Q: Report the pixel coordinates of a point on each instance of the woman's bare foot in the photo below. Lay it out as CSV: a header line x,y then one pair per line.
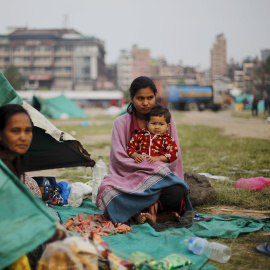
x,y
140,218
151,219
163,217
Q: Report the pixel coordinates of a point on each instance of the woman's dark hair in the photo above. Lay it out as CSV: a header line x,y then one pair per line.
x,y
6,111
136,85
159,110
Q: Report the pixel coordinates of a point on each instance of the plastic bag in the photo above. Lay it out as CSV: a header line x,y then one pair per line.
x,y
75,197
253,184
21,264
65,188
73,253
87,190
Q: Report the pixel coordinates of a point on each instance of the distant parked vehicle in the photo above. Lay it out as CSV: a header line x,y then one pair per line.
x,y
194,98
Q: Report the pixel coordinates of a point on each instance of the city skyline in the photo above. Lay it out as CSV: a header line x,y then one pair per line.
x,y
179,30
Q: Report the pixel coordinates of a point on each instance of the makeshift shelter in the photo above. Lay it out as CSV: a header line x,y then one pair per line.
x,y
243,98
50,148
26,222
247,99
57,107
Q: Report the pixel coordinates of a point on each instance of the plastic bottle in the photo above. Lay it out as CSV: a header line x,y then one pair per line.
x,y
211,250
75,197
99,171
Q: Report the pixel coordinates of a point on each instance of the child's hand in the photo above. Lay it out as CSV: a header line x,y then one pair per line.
x,y
138,158
152,159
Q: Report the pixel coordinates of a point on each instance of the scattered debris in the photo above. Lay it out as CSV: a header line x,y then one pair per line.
x,y
245,211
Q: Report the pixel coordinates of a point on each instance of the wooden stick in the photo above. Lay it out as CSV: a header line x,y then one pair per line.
x,y
246,211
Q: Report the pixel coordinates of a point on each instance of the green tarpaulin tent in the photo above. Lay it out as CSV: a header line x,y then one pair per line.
x,y
249,98
26,222
57,107
50,148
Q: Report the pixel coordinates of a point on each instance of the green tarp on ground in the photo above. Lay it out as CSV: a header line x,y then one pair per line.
x,y
50,148
144,238
57,107
26,222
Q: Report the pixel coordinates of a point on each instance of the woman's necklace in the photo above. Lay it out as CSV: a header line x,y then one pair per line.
x,y
141,123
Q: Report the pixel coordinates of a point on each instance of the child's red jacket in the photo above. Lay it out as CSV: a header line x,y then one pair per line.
x,y
153,145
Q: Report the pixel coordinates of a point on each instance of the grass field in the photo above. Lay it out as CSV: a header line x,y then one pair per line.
x,y
204,149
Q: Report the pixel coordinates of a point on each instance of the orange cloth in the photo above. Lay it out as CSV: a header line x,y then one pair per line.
x,y
97,223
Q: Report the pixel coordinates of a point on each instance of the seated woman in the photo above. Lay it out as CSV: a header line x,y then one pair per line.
x,y
15,139
142,190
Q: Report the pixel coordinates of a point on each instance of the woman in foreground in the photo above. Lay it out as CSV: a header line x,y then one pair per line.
x,y
149,192
15,139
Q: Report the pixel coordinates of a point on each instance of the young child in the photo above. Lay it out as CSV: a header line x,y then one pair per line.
x,y
154,142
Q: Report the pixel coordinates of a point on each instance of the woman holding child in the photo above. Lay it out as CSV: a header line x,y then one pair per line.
x,y
151,188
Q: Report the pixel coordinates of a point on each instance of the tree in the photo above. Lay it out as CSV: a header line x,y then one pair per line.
x,y
266,66
262,78
266,75
14,77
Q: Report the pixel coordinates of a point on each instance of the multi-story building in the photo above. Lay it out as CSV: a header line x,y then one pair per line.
x,y
132,64
239,78
54,58
124,69
265,54
219,56
137,62
141,65
250,68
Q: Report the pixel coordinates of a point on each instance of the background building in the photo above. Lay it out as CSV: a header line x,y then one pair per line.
x,y
265,54
124,69
54,58
141,62
219,56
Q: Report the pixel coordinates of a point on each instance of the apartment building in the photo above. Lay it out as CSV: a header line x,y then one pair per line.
x,y
141,65
54,58
124,69
265,54
219,56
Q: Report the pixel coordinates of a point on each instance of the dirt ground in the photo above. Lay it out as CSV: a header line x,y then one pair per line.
x,y
237,127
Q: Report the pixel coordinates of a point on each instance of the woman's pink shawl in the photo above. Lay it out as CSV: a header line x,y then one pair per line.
x,y
130,183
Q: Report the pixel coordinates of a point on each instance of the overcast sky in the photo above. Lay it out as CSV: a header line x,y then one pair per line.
x,y
179,30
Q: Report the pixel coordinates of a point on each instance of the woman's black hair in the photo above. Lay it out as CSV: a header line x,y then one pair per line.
x,y
136,85
6,111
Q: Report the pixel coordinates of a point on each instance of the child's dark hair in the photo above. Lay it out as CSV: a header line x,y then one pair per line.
x,y
159,110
